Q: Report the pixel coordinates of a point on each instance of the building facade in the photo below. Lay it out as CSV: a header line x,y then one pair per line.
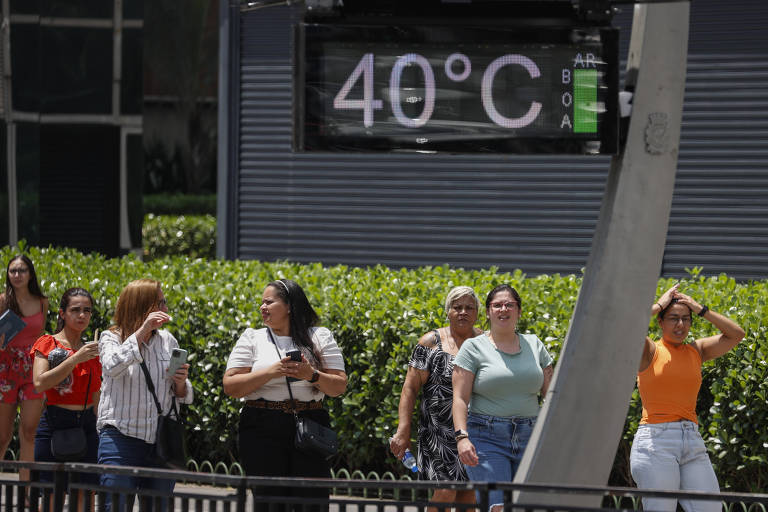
x,y
536,213
72,158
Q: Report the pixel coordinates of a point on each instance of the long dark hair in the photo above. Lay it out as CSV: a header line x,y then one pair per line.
x,y
33,286
302,315
64,304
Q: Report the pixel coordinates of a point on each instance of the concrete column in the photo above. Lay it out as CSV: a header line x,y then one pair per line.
x,y
575,438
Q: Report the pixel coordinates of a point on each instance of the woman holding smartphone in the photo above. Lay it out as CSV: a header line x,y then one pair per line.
x,y
17,392
257,370
127,413
68,371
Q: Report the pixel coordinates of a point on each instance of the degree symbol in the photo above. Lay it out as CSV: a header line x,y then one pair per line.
x,y
449,65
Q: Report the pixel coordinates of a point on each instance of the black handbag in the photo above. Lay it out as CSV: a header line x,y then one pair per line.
x,y
311,436
170,436
71,444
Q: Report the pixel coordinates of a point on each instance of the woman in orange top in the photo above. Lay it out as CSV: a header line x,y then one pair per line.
x,y
668,451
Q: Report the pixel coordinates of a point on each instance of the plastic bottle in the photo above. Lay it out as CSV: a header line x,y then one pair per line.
x,y
409,461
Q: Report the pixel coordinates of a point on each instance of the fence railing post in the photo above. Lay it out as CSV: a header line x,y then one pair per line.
x,y
59,488
484,499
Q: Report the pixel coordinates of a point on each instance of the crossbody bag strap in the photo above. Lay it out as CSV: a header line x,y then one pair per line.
x,y
287,382
85,402
151,386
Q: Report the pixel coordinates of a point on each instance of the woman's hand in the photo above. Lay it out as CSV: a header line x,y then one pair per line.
x,y
398,443
666,297
467,453
298,370
180,380
154,321
688,301
85,353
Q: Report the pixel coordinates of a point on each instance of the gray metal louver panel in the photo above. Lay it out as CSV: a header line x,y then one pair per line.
x,y
533,213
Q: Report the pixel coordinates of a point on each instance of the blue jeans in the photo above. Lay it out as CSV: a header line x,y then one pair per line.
x,y
672,456
117,449
499,443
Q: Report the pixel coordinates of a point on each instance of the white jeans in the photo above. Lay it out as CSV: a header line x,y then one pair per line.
x,y
672,456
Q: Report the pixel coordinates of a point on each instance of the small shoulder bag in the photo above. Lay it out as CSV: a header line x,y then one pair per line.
x,y
71,444
311,436
170,439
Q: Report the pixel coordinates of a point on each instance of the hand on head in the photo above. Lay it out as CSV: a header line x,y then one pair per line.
x,y
666,297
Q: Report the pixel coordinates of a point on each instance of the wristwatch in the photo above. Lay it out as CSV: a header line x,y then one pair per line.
x,y
315,376
461,434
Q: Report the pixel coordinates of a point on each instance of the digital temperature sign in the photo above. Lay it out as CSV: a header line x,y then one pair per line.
x,y
456,89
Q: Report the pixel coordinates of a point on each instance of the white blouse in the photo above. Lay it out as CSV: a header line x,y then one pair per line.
x,y
254,350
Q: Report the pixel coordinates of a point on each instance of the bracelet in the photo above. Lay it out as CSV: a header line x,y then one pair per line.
x,y
703,311
660,306
461,436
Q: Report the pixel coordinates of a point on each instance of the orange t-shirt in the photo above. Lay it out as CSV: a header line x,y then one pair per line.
x,y
71,391
670,384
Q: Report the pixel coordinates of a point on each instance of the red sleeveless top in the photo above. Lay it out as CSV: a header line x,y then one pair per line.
x,y
70,391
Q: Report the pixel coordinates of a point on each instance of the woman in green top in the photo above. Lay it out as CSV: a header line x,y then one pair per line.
x,y
497,379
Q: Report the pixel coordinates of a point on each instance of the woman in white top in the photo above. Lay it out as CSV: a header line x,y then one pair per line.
x,y
127,418
257,370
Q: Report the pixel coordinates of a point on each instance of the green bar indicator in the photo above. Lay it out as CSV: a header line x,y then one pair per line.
x,y
585,101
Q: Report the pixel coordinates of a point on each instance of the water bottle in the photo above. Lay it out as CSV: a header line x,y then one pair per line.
x,y
409,461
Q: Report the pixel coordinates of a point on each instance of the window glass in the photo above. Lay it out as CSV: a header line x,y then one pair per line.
x,y
76,70
131,90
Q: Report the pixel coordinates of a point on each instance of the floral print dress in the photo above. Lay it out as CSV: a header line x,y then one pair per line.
x,y
437,456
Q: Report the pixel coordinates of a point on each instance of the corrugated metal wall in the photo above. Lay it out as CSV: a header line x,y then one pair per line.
x,y
533,213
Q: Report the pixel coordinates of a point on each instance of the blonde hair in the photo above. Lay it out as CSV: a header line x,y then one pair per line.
x,y
137,300
458,292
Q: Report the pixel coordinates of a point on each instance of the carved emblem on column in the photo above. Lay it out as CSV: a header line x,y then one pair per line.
x,y
656,133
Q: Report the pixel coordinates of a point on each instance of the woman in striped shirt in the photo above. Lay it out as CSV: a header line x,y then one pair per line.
x,y
127,413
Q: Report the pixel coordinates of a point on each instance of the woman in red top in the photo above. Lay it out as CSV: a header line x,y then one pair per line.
x,y
69,372
23,297
668,451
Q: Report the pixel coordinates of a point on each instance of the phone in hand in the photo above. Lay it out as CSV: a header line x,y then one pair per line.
x,y
178,358
295,355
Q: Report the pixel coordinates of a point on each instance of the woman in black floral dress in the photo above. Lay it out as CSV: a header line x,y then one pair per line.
x,y
430,370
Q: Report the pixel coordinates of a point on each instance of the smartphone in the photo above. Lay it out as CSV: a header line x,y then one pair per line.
x,y
295,355
178,358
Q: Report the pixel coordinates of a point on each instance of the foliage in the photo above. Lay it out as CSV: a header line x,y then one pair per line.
x,y
377,314
189,235
180,204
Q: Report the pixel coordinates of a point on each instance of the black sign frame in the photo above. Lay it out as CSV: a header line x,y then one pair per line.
x,y
312,132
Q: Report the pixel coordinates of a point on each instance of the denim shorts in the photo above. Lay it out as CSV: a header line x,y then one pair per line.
x,y
499,443
672,456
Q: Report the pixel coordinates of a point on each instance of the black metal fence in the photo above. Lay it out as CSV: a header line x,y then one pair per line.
x,y
201,492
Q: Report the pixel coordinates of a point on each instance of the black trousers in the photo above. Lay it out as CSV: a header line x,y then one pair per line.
x,y
266,449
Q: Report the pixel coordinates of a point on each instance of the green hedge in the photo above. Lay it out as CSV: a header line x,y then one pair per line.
x,y
377,314
180,204
171,235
